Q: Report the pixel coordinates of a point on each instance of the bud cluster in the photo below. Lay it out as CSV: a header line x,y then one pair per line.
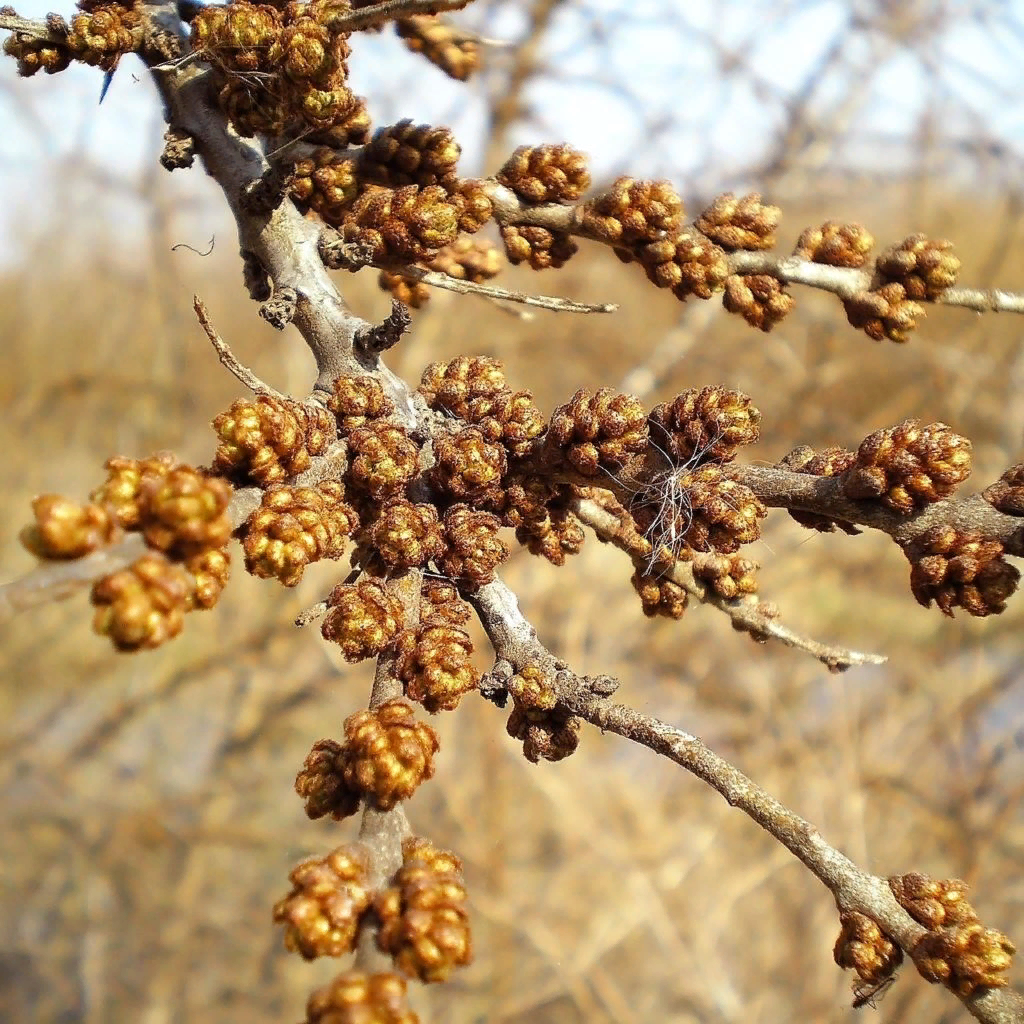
x,y
363,619
759,298
329,896
745,223
863,947
424,923
543,522
383,458
659,595
266,440
434,664
835,244
599,430
708,424
908,466
957,950
1007,493
411,154
358,998
538,246
357,400
546,174
457,55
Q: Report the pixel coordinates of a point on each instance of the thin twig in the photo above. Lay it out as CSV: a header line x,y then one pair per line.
x,y
389,10
227,357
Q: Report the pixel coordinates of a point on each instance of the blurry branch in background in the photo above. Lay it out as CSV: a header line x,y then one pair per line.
x,y
415,483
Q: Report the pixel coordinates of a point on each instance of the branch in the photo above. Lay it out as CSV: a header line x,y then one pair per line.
x,y
52,33
389,10
515,640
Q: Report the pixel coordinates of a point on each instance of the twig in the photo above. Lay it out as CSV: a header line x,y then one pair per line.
x,y
747,615
35,29
552,302
367,17
227,357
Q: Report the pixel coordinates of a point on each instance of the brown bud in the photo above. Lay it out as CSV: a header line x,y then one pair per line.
x,y
210,570
601,430
103,34
423,916
546,174
473,205
325,182
407,534
537,246
935,903
142,606
727,576
1007,493
185,511
835,244
964,958
468,259
474,549
65,529
434,664
468,467
411,154
633,212
329,895
295,526
545,735
122,489
440,604
831,461
884,312
863,946
358,998
744,223
457,55
384,458
659,595
455,386
909,465
414,294
34,54
708,424
758,298
356,401
364,618
924,267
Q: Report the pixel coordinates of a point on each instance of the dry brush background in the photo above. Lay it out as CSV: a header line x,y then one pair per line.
x,y
148,820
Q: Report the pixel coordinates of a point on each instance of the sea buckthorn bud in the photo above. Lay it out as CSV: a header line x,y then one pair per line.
x,y
908,466
1007,493
473,204
414,294
544,524
103,34
531,688
659,595
321,782
758,298
268,440
307,50
384,458
364,618
295,526
457,55
474,550
863,946
406,534
924,267
454,386
424,923
122,489
440,604
35,55
707,424
329,895
831,461
633,212
65,529
387,754
537,246
358,998
434,664
744,223
545,735
960,569
835,244
964,958
142,606
402,225
349,127
546,174
210,570
468,466
935,903
727,576
719,514
468,259
598,430
411,154
238,37
357,400
884,312
185,511
325,182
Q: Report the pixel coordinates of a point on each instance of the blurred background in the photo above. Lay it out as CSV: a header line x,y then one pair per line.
x,y
148,821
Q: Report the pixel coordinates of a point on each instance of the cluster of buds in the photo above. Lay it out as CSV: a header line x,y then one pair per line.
x,y
295,526
597,431
357,400
541,248
297,56
424,923
411,154
266,440
759,298
468,467
708,424
434,664
546,174
659,595
325,182
745,223
545,735
908,466
863,947
473,549
727,576
384,758
835,244
455,53
542,519
329,896
960,569
182,514
475,390
100,35
405,534
384,459
957,950
363,618
358,998
1007,493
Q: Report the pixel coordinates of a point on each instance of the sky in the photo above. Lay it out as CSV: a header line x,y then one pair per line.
x,y
610,60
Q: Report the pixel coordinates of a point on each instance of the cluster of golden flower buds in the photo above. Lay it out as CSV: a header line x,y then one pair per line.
x,y
708,424
384,758
359,998
100,35
424,923
863,947
957,950
182,514
597,431
435,665
455,53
